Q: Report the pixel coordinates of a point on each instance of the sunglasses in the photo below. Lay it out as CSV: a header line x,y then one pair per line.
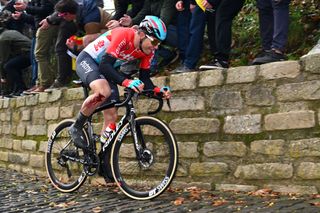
x,y
155,42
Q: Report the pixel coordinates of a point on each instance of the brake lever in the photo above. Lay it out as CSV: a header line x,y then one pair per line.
x,y
169,105
136,96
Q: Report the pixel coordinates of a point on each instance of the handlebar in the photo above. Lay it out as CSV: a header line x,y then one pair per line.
x,y
148,93
129,93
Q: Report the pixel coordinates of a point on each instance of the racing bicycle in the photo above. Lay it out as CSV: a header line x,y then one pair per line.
x,y
141,155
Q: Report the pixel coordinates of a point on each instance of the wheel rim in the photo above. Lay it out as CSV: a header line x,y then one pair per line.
x,y
64,172
148,181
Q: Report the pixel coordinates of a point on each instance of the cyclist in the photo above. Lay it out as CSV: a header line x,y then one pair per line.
x,y
96,68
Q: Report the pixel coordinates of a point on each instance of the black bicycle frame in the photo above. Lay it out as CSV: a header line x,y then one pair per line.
x,y
128,117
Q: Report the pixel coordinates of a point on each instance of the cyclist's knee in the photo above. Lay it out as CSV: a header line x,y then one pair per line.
x,y
101,86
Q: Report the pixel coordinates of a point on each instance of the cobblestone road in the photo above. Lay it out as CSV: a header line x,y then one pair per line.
x,y
27,193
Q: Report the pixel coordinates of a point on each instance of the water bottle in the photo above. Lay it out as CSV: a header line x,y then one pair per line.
x,y
107,132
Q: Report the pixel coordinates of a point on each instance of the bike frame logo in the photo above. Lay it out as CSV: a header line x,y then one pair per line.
x,y
160,187
53,135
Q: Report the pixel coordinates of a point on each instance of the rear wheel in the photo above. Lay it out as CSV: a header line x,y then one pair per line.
x,y
63,159
146,174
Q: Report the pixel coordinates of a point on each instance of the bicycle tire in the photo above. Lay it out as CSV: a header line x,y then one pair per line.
x,y
150,176
56,162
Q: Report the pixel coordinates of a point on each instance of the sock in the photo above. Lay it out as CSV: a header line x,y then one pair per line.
x,y
80,121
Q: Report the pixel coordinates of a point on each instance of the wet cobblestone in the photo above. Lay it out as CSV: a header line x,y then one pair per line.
x,y
28,193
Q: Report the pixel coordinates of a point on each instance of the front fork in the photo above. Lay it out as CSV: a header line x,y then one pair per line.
x,y
138,145
143,155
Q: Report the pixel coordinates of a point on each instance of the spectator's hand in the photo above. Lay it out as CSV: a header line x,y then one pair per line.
x,y
20,6
113,24
165,90
136,85
70,44
87,39
126,20
179,6
192,6
16,15
136,27
44,24
206,4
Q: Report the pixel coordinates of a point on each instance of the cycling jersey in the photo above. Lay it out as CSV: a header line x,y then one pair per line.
x,y
119,43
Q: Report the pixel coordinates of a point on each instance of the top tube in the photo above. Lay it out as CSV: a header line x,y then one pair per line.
x,y
129,93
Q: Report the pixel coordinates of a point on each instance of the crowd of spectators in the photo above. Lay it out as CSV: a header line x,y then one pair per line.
x,y
34,35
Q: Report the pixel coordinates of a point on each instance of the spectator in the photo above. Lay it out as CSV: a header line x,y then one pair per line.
x,y
183,24
226,11
60,26
3,3
11,23
121,8
274,26
14,59
199,18
37,10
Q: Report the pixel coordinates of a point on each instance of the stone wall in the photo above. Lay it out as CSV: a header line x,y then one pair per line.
x,y
243,128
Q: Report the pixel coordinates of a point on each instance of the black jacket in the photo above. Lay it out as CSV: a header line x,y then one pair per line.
x,y
164,9
121,7
40,9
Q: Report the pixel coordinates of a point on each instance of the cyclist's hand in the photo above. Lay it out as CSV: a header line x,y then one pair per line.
x,y
136,85
165,90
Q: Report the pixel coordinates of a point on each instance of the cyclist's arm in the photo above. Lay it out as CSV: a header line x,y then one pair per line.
x,y
144,76
107,70
106,67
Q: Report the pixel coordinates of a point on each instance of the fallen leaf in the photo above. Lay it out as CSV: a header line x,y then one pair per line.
x,y
65,205
271,204
316,196
315,204
240,202
72,203
192,188
178,201
195,195
261,192
31,192
61,205
219,202
97,209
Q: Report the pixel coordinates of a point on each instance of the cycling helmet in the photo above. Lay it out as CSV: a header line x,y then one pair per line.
x,y
154,26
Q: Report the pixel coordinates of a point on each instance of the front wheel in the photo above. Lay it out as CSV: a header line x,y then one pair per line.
x,y
64,161
146,172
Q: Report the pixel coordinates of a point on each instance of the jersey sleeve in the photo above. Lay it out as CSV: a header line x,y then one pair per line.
x,y
117,43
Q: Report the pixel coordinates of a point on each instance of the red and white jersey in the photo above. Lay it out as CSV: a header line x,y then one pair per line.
x,y
119,43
